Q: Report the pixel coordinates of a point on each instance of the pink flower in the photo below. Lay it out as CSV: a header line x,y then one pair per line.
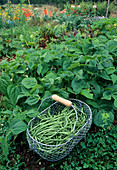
x,y
78,6
94,6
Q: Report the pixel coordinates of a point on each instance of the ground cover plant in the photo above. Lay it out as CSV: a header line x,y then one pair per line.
x,y
74,61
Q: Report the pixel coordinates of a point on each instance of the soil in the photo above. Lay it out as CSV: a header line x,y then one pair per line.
x,y
114,13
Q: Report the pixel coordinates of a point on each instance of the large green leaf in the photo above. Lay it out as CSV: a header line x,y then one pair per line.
x,y
114,78
104,75
66,64
102,118
29,82
107,95
18,126
31,65
4,83
20,52
102,39
39,69
77,85
13,92
110,70
32,100
87,93
31,113
79,73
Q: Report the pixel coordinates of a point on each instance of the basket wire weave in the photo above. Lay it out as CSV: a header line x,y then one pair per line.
x,y
61,150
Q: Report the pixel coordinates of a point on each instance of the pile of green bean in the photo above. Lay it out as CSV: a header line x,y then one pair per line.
x,y
58,128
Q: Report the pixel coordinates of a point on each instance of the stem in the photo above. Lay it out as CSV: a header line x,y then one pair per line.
x,y
107,8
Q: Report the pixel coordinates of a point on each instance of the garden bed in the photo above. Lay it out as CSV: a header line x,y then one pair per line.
x,y
68,53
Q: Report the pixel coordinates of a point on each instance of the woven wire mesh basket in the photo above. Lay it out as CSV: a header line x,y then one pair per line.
x,y
55,152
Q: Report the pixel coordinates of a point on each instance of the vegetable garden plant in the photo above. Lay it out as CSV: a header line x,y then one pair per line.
x,y
73,63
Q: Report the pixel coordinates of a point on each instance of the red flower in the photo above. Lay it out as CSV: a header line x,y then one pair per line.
x,y
45,11
74,11
50,13
88,25
30,13
26,15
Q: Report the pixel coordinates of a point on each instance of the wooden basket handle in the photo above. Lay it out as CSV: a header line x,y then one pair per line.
x,y
61,100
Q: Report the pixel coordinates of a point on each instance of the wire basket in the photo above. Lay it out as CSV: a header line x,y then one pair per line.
x,y
56,151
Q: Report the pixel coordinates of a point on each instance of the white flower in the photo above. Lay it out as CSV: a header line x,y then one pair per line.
x,y
36,9
72,6
94,6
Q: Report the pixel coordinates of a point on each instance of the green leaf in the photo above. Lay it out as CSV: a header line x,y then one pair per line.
x,y
115,102
74,65
13,92
52,75
18,126
20,52
107,95
39,69
4,146
31,113
87,94
64,94
30,65
102,118
110,70
25,91
114,78
102,39
20,96
32,100
92,103
45,68
36,88
115,99
66,64
1,46
20,70
47,94
48,57
4,83
79,73
7,112
77,85
29,82
51,81
104,75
